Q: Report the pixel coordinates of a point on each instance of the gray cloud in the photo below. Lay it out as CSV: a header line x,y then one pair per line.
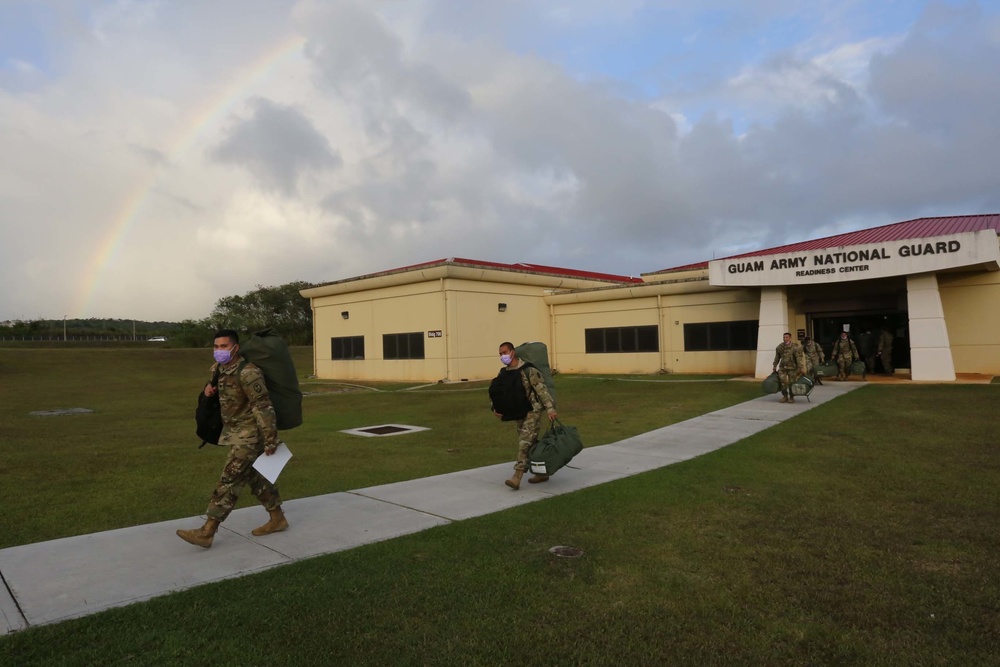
x,y
277,144
412,131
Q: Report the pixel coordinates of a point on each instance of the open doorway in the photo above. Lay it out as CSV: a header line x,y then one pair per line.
x,y
826,328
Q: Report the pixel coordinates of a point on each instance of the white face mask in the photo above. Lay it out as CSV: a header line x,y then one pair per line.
x,y
505,359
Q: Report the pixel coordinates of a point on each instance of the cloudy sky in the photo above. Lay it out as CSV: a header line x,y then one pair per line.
x,y
159,155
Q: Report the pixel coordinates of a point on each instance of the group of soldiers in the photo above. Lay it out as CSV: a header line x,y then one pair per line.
x,y
793,360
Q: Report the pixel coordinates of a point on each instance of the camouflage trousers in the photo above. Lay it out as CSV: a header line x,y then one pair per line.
x,y
870,362
786,376
886,358
844,365
527,435
237,473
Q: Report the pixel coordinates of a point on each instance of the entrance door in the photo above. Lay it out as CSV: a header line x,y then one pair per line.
x,y
826,328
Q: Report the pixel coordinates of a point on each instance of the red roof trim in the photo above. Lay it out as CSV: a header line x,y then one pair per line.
x,y
899,231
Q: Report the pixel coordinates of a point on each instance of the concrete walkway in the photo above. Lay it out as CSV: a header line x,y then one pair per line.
x,y
76,576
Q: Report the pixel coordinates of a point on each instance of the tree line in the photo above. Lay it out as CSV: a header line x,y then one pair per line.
x,y
281,308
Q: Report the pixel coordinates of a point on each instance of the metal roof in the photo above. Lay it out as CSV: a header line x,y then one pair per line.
x,y
899,231
520,267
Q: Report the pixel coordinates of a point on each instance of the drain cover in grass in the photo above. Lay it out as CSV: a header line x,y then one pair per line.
x,y
56,413
384,429
566,552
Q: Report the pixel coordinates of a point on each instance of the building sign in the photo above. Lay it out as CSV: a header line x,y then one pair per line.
x,y
860,262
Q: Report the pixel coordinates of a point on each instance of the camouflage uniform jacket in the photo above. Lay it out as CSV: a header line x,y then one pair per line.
x,y
247,413
534,387
814,352
844,348
790,357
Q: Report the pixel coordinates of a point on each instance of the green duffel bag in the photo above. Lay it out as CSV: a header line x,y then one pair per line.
x,y
771,384
858,368
554,449
266,350
802,387
826,370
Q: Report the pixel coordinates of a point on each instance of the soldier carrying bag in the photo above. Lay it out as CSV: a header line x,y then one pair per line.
x,y
266,350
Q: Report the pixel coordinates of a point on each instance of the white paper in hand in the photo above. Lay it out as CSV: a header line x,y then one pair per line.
x,y
270,466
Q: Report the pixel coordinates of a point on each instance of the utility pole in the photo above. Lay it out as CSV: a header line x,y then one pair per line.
x,y
64,328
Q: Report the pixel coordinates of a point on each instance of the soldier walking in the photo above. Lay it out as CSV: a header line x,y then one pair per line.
x,y
844,353
814,357
789,364
249,428
525,403
866,346
885,350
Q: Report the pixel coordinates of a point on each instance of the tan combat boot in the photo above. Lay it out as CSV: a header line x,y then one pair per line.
x,y
515,481
275,524
791,399
784,399
200,537
536,479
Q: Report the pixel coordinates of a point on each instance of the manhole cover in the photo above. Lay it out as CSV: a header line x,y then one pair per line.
x,y
56,413
566,552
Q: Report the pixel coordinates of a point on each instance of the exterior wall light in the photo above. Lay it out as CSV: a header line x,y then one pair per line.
x,y
502,307
345,314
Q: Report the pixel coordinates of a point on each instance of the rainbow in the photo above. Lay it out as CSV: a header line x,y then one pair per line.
x,y
207,114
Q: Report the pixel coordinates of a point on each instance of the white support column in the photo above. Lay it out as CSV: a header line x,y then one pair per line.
x,y
773,323
930,349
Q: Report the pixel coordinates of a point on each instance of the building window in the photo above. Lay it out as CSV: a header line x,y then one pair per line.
x,y
403,346
622,339
720,336
348,347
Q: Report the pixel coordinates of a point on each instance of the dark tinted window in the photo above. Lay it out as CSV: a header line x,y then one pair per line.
x,y
403,346
348,347
622,339
720,336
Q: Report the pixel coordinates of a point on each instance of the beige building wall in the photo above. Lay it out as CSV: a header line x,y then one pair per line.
x,y
572,320
466,314
396,309
462,305
969,301
477,327
654,304
714,306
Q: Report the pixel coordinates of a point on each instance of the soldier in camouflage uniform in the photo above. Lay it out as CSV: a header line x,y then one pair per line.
x,y
844,353
529,427
814,357
249,428
789,364
885,350
866,350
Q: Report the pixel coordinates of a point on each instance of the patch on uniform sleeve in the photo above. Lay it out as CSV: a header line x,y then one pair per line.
x,y
254,385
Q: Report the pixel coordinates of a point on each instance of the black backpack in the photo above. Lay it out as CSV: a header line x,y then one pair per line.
x,y
507,394
208,415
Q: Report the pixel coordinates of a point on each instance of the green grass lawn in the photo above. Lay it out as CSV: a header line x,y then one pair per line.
x,y
862,532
